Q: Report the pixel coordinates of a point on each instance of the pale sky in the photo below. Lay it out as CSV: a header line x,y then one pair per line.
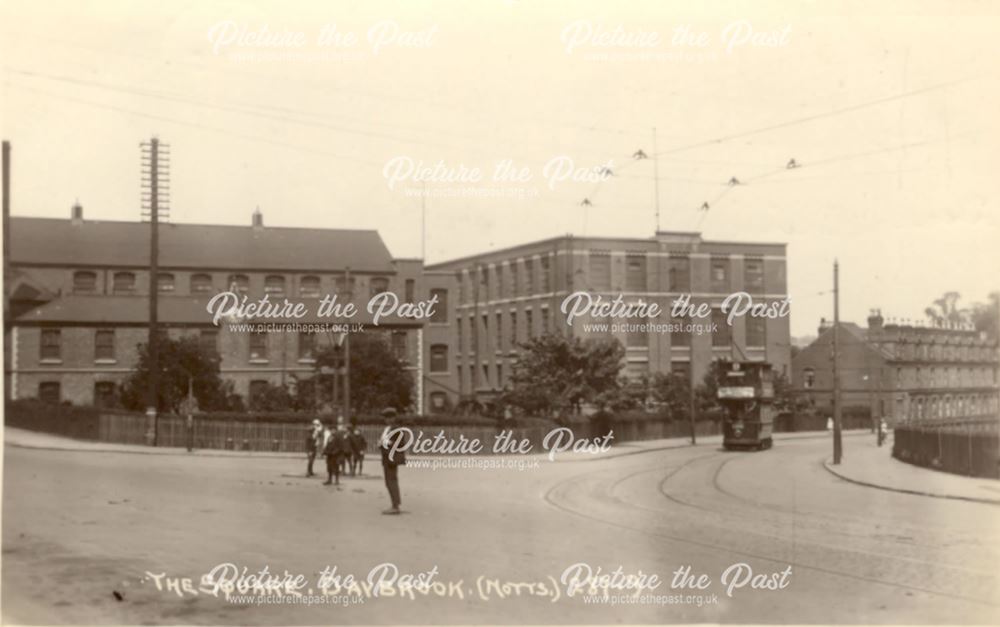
x,y
891,110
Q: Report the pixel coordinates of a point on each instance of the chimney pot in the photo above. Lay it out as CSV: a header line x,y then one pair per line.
x,y
257,219
76,213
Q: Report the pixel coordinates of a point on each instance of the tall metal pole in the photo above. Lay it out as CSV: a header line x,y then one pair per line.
x,y
8,357
837,450
694,402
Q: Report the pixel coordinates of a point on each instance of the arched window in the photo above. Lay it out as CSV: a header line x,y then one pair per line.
x,y
201,283
274,284
84,282
439,402
165,282
239,283
309,286
439,358
123,283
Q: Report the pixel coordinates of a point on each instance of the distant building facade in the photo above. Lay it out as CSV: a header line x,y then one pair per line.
x,y
902,372
80,307
508,296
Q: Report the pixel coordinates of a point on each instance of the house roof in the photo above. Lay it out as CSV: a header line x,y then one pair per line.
x,y
98,310
53,241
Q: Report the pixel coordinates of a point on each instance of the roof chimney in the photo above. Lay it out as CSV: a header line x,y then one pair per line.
x,y
875,320
76,213
258,219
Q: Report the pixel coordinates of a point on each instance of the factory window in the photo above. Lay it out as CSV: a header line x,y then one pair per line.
x,y
104,344
513,278
513,329
756,331
753,276
201,283
808,378
165,282
635,273
529,324
49,391
309,286
123,283
499,331
637,335
51,346
410,289
441,307
439,358
439,402
546,273
104,394
258,346
84,282
307,346
258,387
239,283
529,276
721,333
600,269
719,274
399,345
274,284
378,285
680,332
679,274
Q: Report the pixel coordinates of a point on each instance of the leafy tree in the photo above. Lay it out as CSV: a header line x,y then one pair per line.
x,y
378,377
556,373
945,309
272,398
673,390
180,361
984,315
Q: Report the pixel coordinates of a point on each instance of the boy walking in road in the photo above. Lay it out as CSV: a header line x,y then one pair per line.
x,y
358,447
391,460
335,449
313,441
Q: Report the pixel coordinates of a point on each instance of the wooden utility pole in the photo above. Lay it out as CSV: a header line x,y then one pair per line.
x,y
155,169
656,182
8,356
837,446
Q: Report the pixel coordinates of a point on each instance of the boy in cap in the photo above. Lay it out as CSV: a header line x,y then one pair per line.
x,y
391,460
313,441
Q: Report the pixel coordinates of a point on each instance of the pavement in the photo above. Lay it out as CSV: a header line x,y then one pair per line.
x,y
89,537
867,464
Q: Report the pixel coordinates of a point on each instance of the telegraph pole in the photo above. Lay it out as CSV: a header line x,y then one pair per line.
x,y
347,352
837,446
155,179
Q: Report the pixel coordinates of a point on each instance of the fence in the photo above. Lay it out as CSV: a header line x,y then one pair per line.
x,y
278,437
960,447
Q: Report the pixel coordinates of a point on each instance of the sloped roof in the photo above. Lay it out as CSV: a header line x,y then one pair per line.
x,y
177,310
112,243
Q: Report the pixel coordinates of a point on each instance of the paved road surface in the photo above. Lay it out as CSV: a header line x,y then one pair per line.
x,y
78,526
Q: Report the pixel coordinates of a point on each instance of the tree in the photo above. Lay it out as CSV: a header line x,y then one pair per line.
x,y
378,378
984,316
180,361
555,373
945,309
272,397
673,390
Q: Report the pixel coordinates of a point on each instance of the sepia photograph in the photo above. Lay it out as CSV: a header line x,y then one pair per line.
x,y
505,312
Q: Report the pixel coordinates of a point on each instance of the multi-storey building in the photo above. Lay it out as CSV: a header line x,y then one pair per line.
x,y
79,300
507,296
902,371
